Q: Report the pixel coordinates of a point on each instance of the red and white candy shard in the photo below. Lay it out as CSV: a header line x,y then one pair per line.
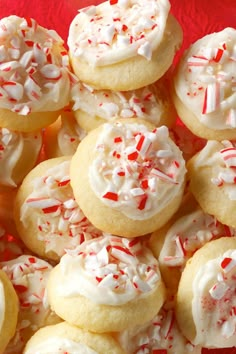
x,y
60,222
136,170
34,67
116,30
109,270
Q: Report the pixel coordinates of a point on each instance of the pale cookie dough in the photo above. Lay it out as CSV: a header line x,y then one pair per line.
x,y
47,217
107,284
29,276
8,311
64,338
124,44
206,301
35,74
63,136
152,103
181,237
127,177
19,153
212,176
204,86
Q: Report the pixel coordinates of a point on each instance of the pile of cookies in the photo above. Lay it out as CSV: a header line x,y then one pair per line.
x,y
117,185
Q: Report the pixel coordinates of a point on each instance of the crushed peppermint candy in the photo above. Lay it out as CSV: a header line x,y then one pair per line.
x,y
35,70
60,222
138,170
118,269
115,30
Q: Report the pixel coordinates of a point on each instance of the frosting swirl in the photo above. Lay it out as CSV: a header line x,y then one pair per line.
x,y
109,270
34,66
205,79
118,29
136,170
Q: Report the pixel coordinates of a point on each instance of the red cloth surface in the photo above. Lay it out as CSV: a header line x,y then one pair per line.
x,y
197,17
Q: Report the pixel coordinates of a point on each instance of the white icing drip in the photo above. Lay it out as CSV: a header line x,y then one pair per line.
x,y
109,33
214,302
136,170
109,270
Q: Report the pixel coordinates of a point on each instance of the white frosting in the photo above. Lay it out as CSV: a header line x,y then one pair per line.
x,y
147,103
161,332
118,29
188,234
29,276
69,135
12,147
59,345
221,158
2,305
206,81
34,67
136,170
60,222
109,270
214,302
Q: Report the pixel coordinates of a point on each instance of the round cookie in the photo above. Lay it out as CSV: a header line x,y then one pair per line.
x,y
160,335
47,217
65,338
63,136
212,175
19,153
127,177
29,275
152,103
123,45
8,311
204,83
107,284
206,295
35,74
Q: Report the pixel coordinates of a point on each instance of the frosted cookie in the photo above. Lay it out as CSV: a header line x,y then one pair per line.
x,y
29,275
127,177
212,175
107,284
18,155
123,45
180,238
47,217
64,338
94,107
8,311
63,136
35,74
204,86
206,295
160,335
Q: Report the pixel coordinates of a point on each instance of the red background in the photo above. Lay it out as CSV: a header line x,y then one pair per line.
x,y
197,17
